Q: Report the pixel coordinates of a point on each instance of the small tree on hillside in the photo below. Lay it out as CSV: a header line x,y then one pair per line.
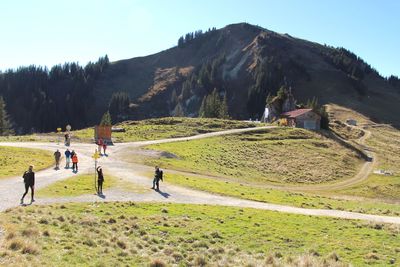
x,y
106,119
5,125
213,107
179,111
223,110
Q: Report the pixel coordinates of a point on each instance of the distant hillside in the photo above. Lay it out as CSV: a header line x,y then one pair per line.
x,y
244,62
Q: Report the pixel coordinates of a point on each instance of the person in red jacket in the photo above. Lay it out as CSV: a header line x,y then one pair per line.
x,y
75,163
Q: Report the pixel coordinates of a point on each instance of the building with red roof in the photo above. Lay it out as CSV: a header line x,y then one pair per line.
x,y
302,118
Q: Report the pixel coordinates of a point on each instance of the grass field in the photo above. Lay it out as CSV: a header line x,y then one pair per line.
x,y
166,128
15,160
281,155
303,200
84,184
385,142
131,234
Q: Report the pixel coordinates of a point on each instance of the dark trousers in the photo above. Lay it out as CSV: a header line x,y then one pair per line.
x,y
75,166
156,182
27,186
100,184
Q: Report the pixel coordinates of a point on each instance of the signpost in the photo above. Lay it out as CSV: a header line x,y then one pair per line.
x,y
95,157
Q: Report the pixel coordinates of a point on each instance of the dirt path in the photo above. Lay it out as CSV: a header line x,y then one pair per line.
x,y
11,189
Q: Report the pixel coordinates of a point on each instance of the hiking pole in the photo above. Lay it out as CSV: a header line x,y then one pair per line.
x,y
95,156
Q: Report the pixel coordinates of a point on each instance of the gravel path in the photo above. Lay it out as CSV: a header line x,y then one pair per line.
x,y
11,189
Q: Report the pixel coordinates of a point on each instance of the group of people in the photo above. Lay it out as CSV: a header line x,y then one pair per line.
x,y
102,144
69,157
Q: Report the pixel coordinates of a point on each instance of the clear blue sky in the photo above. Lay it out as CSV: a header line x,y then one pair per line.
x,y
48,32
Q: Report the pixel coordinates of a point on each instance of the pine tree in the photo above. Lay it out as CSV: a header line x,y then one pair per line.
x,y
119,106
202,110
5,125
223,110
106,119
178,111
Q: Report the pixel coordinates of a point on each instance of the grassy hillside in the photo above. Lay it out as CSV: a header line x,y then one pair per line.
x,y
15,160
284,155
119,234
166,128
385,142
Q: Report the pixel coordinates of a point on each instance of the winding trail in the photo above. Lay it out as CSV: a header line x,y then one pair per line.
x,y
11,189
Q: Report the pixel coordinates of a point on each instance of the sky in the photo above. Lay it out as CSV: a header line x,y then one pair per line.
x,y
49,32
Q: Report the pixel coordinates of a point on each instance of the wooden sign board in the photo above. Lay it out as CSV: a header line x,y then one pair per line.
x,y
103,132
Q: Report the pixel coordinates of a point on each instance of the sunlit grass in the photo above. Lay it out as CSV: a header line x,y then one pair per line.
x,y
283,155
15,160
173,234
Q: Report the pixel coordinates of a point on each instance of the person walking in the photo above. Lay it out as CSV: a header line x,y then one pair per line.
x,y
74,162
67,154
57,157
104,148
158,175
29,181
100,180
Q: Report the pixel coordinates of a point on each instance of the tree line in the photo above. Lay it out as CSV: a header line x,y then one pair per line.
x,y
41,100
190,36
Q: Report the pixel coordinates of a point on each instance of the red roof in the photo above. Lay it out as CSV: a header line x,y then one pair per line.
x,y
296,113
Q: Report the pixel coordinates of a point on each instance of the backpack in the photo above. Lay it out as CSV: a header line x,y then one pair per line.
x,y
161,175
25,176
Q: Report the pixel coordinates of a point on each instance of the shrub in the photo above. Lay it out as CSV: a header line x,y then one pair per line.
x,y
16,244
157,263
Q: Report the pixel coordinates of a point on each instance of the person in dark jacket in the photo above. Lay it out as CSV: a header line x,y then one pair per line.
x,y
158,175
100,180
57,157
29,181
67,154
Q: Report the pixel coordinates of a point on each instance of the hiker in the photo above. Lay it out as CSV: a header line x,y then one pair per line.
x,y
158,175
29,181
100,144
57,157
100,180
104,147
67,139
67,158
74,162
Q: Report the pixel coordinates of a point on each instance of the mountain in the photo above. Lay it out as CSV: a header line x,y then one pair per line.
x,y
245,63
